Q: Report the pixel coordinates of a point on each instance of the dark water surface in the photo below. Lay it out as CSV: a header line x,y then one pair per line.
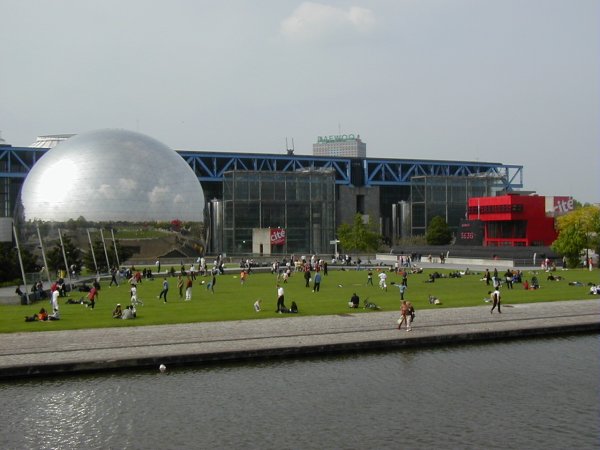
x,y
541,393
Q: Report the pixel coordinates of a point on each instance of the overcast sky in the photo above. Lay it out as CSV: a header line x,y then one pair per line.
x,y
510,81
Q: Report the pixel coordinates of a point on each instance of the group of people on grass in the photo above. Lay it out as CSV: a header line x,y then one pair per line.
x,y
128,313
307,267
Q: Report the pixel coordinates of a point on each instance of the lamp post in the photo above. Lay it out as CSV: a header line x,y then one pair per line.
x,y
43,253
21,264
65,259
92,249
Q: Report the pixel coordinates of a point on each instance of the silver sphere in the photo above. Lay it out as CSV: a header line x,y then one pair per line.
x,y
112,175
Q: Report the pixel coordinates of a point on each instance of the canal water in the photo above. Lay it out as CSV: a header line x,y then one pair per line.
x,y
528,394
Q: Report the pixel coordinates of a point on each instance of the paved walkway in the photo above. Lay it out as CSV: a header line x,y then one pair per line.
x,y
60,352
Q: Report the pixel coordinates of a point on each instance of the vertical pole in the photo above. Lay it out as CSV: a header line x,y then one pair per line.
x,y
112,232
92,249
43,253
21,264
65,259
105,252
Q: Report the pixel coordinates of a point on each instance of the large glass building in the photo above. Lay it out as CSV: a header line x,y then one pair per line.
x,y
446,197
400,196
301,203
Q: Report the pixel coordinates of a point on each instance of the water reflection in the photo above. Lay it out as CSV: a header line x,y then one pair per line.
x,y
489,396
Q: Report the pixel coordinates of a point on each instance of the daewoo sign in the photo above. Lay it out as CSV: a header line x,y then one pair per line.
x,y
336,138
277,236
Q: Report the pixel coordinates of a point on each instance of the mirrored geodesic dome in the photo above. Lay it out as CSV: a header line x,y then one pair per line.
x,y
111,176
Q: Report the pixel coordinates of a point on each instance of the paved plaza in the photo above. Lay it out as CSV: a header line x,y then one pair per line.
x,y
92,350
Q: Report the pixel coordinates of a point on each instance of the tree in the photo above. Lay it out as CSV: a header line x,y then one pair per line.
x,y
358,236
577,230
55,259
10,269
438,232
88,259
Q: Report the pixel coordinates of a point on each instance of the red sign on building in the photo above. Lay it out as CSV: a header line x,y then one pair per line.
x,y
277,236
562,205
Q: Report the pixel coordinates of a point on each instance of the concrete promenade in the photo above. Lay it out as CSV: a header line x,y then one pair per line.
x,y
65,352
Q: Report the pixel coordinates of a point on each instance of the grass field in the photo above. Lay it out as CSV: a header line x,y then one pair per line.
x,y
231,301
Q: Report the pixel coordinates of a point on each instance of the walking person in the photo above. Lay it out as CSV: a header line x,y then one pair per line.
x,y
406,313
92,297
508,276
134,298
113,277
370,278
165,289
402,288
211,285
188,289
180,285
496,300
317,285
382,281
307,277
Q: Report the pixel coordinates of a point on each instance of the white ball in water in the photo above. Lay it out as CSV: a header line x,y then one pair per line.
x,y
162,367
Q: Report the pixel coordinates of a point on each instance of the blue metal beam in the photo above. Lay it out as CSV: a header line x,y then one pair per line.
x,y
210,166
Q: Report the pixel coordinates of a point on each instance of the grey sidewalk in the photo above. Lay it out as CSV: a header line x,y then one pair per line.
x,y
60,352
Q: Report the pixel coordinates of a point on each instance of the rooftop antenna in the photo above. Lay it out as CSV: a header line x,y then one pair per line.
x,y
290,151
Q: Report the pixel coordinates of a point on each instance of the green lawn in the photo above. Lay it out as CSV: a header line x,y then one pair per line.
x,y
231,301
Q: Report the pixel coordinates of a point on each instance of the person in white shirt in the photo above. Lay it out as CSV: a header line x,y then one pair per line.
x,y
280,299
382,281
55,296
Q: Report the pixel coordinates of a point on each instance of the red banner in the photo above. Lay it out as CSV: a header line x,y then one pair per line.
x,y
563,205
277,236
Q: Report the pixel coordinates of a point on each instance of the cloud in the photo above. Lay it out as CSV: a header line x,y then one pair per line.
x,y
107,191
313,20
159,194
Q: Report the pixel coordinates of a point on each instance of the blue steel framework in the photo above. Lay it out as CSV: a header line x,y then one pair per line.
x,y
210,166
15,163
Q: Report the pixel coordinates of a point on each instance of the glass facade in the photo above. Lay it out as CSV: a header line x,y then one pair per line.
x,y
446,197
302,203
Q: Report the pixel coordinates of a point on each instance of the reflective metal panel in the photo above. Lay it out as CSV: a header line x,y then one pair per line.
x,y
112,175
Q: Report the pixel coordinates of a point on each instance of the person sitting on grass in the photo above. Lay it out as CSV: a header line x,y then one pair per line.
x,y
41,316
129,313
55,315
117,312
354,301
370,305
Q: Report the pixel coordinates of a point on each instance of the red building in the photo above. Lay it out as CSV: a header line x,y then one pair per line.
x,y
513,220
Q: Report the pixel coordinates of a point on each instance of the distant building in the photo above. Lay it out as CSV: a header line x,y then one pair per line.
x,y
346,145
399,196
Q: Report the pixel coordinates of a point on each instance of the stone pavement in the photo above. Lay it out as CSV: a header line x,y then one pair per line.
x,y
66,352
